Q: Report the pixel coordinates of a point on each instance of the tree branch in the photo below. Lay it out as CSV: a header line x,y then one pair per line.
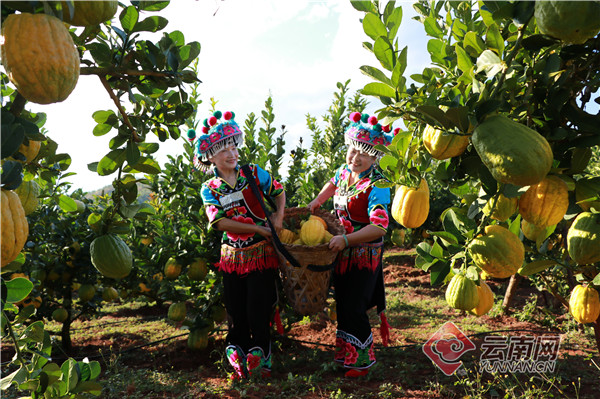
x,y
112,95
103,72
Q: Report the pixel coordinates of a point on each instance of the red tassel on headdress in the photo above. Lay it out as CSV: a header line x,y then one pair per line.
x,y
278,324
384,329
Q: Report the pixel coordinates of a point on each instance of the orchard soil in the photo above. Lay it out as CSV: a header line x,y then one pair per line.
x,y
138,364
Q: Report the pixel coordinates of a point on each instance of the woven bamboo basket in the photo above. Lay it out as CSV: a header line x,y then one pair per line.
x,y
306,290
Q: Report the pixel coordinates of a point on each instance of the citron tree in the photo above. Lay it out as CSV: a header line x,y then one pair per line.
x,y
515,79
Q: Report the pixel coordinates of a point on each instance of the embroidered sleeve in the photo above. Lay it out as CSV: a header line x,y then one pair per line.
x,y
267,184
214,210
340,174
379,199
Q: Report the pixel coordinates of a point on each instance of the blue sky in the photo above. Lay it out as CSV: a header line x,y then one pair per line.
x,y
295,50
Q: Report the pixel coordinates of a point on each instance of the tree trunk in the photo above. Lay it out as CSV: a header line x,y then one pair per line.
x,y
510,291
597,333
65,335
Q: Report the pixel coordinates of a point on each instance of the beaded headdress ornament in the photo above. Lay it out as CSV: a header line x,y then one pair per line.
x,y
365,132
217,135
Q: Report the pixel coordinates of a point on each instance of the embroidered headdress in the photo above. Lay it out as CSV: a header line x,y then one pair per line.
x,y
217,134
365,132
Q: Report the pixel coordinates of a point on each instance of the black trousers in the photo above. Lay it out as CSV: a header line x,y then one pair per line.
x,y
357,291
249,301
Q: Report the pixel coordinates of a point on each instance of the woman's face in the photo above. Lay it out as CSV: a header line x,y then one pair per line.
x,y
359,161
226,159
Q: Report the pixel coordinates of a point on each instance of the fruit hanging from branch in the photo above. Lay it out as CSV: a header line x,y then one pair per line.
x,y
40,57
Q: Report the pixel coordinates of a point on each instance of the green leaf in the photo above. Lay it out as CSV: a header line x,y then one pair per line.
x,y
12,138
133,153
146,165
439,271
153,5
463,59
446,236
376,74
17,289
91,387
365,5
12,175
103,116
432,28
70,374
66,203
129,18
373,27
34,332
489,62
393,22
101,129
596,280
473,44
378,90
111,162
148,148
188,54
384,52
399,69
436,114
151,24
18,377
494,39
535,267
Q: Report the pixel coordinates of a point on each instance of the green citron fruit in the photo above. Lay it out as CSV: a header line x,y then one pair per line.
x,y
218,313
398,236
177,311
28,193
512,152
198,339
573,22
197,270
60,315
86,292
583,238
111,256
461,293
110,294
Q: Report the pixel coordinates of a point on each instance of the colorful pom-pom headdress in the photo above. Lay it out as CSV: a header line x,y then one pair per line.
x,y
217,135
365,132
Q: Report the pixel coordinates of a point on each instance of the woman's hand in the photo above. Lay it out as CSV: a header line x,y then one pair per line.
x,y
337,243
314,205
264,231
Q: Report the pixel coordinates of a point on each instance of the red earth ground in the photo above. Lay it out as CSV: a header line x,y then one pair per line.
x,y
306,349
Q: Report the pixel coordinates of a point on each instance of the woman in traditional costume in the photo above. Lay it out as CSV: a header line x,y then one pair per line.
x,y
361,207
248,259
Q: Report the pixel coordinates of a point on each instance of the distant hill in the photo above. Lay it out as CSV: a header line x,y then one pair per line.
x,y
143,192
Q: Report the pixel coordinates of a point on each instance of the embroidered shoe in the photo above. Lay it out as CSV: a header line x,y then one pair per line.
x,y
256,361
355,373
237,359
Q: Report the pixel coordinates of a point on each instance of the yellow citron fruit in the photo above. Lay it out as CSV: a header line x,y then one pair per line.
x,y
172,269
498,252
320,219
410,207
287,236
312,232
298,242
486,299
545,203
40,57
15,228
584,304
197,270
31,150
327,237
442,145
531,231
89,13
505,207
